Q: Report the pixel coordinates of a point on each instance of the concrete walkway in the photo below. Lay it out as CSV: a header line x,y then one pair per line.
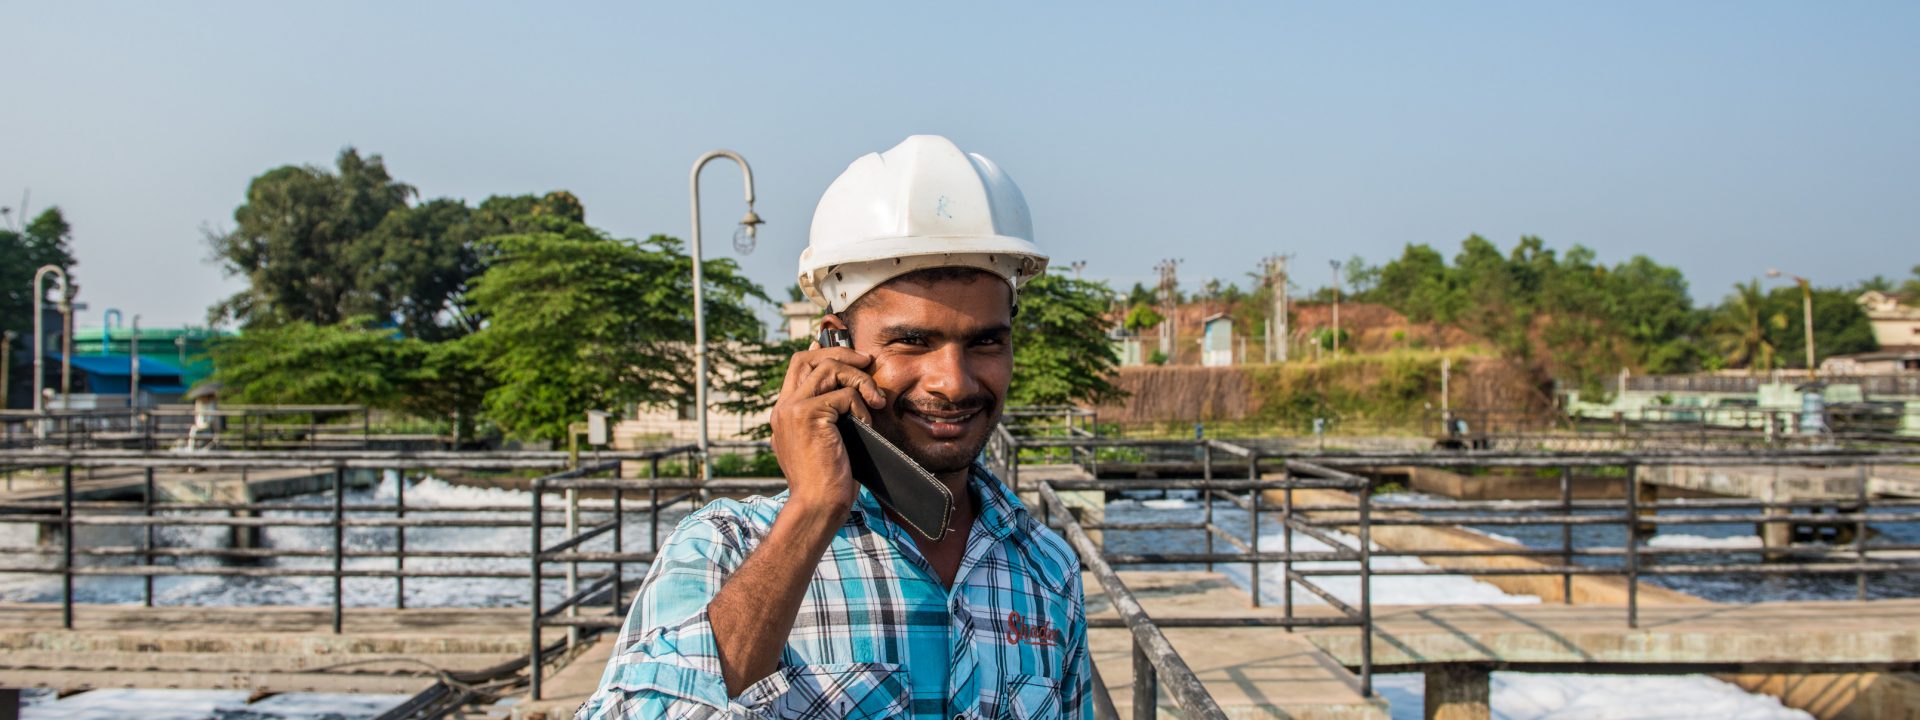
x,y
265,650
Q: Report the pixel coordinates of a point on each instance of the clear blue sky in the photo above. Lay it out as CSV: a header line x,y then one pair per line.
x,y
1722,137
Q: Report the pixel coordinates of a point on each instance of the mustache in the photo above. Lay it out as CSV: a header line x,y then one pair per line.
x,y
929,404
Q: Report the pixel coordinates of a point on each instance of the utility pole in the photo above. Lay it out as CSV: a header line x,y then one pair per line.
x,y
1336,306
1077,266
1806,309
1275,269
1169,298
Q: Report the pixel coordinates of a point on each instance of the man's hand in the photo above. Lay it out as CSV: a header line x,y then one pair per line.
x,y
753,613
822,384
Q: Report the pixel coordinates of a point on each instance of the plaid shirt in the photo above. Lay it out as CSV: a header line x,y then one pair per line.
x,y
877,635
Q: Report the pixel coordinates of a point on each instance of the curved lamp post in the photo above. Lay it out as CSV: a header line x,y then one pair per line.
x,y
748,225
39,335
1806,309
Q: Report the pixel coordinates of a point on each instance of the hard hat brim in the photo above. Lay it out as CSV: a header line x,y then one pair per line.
x,y
838,277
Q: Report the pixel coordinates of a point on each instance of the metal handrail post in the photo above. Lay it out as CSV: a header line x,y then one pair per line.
x,y
573,567
1146,686
1206,473
1566,534
1860,536
1633,545
653,501
1286,541
146,558
533,647
66,547
400,541
619,540
1366,590
339,540
1253,475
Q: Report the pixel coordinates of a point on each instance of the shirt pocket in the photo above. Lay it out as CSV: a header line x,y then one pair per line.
x,y
856,691
1030,697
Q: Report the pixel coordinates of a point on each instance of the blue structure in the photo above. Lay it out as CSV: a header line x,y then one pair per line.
x,y
112,374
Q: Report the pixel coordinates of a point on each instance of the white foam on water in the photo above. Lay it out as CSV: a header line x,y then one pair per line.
x,y
1387,589
1526,696
114,704
1169,504
1664,540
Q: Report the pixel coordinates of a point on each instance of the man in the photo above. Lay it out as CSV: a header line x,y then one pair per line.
x,y
819,601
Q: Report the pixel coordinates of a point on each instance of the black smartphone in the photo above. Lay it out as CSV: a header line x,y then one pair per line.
x,y
922,502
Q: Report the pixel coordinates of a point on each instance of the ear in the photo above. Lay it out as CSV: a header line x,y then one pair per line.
x,y
832,321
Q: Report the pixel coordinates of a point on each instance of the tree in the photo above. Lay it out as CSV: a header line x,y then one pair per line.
x,y
1840,326
297,238
1061,352
1142,316
1739,328
300,362
577,320
42,242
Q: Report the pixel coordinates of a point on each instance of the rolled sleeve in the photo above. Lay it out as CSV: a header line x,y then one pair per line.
x,y
667,663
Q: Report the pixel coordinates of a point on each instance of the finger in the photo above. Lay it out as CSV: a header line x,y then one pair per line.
x,y
848,356
803,363
830,406
831,375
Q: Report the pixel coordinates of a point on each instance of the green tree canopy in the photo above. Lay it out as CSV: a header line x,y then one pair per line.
x,y
577,321
300,362
1584,320
1061,352
42,242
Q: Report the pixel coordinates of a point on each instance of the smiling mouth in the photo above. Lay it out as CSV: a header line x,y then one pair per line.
x,y
944,426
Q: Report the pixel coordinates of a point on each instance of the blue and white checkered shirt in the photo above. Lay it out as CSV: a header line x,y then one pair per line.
x,y
877,635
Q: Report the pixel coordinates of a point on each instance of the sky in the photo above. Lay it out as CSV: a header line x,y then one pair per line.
x,y
1724,138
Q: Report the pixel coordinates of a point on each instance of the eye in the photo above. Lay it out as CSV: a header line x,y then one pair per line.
x,y
910,340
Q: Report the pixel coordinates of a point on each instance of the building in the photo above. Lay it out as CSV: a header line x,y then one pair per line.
x,y
184,349
1896,323
800,319
1881,362
1216,341
106,381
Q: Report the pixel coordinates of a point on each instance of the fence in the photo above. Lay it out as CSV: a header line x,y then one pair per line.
x,y
1260,483
234,427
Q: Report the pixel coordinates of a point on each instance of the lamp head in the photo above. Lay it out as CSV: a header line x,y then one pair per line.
x,y
743,238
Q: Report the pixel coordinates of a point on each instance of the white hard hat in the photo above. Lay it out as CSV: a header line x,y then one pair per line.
x,y
923,204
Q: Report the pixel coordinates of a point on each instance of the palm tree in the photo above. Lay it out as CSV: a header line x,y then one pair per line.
x,y
1738,331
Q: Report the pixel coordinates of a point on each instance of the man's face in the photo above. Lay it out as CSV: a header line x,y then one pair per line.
x,y
942,351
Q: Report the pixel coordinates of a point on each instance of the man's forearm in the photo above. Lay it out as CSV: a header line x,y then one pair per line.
x,y
753,613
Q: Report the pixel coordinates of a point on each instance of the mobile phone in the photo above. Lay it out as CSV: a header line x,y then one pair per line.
x,y
922,502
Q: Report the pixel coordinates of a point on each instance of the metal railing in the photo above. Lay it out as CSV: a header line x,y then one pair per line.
x,y
1261,484
232,427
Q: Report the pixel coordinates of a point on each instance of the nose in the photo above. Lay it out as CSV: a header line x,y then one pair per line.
x,y
947,374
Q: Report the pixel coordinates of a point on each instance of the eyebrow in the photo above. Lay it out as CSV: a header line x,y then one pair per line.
x,y
903,332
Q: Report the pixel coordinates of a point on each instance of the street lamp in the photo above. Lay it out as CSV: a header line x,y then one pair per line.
x,y
1806,310
1077,266
742,241
39,334
1336,306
